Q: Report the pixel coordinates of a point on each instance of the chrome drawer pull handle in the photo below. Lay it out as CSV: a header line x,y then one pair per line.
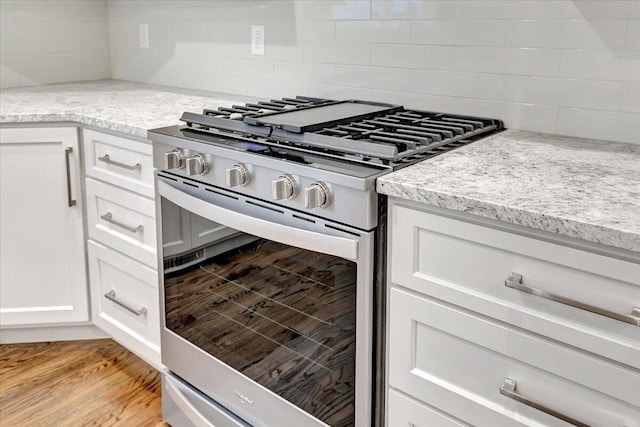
x,y
109,218
67,152
515,282
108,161
111,296
508,389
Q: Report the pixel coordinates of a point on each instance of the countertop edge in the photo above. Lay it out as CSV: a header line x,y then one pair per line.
x,y
621,239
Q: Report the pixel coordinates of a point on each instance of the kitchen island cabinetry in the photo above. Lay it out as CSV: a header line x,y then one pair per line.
x,y
122,241
42,271
467,336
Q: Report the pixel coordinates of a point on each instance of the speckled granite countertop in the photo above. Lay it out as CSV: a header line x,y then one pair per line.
x,y
125,107
575,187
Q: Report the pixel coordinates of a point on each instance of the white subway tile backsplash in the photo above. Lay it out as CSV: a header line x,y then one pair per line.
x,y
335,9
547,65
592,94
506,60
7,13
413,56
609,125
354,76
458,84
337,52
316,30
599,9
305,72
633,35
54,41
433,9
392,79
570,34
631,97
246,67
385,9
458,33
373,31
602,65
334,91
523,9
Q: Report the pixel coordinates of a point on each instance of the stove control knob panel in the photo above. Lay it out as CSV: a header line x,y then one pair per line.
x,y
237,174
173,160
284,187
317,195
196,165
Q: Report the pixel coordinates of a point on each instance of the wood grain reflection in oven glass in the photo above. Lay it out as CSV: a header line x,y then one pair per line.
x,y
283,316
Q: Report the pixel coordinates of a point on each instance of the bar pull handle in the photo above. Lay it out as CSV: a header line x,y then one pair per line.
x,y
67,152
515,282
108,161
111,296
509,389
109,218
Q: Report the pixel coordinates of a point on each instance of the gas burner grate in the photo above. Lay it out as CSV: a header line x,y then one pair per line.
x,y
239,112
393,138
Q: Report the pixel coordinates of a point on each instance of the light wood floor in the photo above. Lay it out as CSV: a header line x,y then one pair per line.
x,y
77,383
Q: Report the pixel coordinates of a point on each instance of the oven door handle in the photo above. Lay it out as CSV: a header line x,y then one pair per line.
x,y
310,240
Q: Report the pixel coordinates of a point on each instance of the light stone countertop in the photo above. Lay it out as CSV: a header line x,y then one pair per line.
x,y
587,189
125,107
574,187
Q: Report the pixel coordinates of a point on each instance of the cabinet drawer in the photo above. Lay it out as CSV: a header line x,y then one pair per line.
x,y
124,297
123,220
407,412
458,361
468,266
120,161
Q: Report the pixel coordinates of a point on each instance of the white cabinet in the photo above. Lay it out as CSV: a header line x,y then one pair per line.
x,y
42,267
123,262
183,231
461,327
176,229
119,161
123,220
125,296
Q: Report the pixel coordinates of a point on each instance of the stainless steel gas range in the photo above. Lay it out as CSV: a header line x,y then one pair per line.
x,y
272,256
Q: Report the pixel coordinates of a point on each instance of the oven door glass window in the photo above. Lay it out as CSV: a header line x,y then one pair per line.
x,y
280,315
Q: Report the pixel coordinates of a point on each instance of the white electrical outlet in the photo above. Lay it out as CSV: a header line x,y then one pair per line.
x,y
257,39
144,36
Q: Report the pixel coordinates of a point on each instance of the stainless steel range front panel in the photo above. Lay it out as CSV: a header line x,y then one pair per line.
x,y
268,311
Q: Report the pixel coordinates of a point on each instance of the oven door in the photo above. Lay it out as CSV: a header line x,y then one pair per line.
x,y
265,310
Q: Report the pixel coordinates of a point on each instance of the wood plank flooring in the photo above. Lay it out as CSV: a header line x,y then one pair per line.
x,y
77,383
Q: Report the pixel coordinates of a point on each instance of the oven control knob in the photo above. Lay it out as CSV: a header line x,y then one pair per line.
x,y
237,174
317,195
196,165
284,187
173,160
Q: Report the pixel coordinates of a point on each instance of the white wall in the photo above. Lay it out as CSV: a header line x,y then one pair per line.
x,y
561,66
53,42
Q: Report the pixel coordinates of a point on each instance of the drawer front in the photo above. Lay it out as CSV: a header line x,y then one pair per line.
x,y
458,361
407,412
123,220
119,161
124,297
470,264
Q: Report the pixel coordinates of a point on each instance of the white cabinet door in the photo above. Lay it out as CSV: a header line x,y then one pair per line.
x,y
176,229
205,232
42,262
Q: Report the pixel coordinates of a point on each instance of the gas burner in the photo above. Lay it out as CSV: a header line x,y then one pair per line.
x,y
359,131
